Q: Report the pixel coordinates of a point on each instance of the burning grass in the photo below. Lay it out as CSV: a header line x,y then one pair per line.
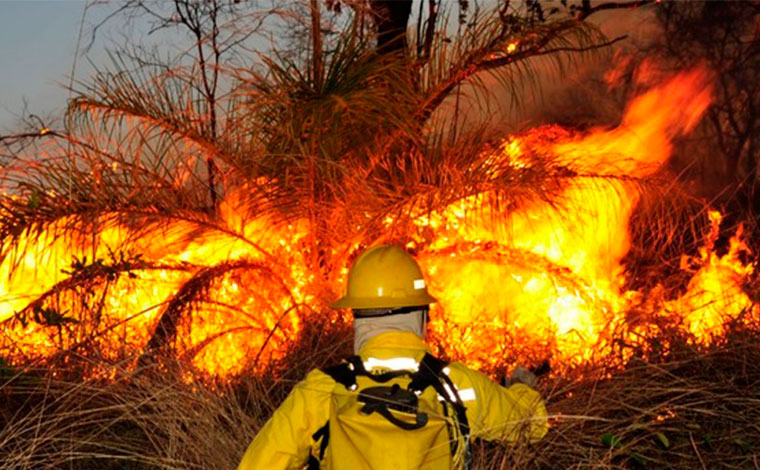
x,y
172,350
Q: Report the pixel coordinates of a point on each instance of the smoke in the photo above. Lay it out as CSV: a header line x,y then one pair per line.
x,y
574,94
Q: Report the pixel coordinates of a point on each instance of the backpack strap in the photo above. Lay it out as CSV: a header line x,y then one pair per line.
x,y
420,419
431,374
324,434
343,373
428,375
382,399
461,412
346,376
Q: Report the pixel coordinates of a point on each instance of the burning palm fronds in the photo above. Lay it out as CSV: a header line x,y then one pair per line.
x,y
538,220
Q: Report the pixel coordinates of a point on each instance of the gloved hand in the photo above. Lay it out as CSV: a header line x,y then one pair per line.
x,y
523,376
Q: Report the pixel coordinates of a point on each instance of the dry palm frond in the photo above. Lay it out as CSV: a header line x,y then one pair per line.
x,y
136,93
195,290
138,139
359,102
349,151
504,48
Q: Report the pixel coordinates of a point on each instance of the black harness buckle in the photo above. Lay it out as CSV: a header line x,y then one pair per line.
x,y
383,399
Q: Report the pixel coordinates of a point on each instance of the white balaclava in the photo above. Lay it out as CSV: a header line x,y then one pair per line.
x,y
366,328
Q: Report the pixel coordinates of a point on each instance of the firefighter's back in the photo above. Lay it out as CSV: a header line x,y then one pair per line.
x,y
361,440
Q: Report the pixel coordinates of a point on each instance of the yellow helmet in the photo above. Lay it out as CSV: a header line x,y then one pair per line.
x,y
385,276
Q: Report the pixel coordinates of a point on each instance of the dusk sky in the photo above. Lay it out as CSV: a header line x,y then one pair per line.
x,y
37,47
38,43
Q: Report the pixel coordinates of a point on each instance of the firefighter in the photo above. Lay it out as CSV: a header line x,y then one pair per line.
x,y
393,405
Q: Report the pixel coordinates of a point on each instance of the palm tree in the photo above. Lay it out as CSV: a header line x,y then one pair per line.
x,y
248,204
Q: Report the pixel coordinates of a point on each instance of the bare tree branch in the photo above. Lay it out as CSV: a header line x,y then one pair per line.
x,y
587,10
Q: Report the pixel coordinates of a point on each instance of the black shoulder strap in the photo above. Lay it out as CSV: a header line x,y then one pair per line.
x,y
343,373
428,374
462,421
431,374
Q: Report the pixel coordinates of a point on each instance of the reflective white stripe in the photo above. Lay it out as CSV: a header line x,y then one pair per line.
x,y
397,363
452,397
446,370
419,284
467,394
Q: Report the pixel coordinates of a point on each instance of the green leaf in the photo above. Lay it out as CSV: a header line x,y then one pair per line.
x,y
610,440
663,439
708,439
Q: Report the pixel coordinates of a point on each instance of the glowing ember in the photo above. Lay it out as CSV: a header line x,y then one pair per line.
x,y
546,281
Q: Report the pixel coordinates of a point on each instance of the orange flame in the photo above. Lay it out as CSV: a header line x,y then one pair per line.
x,y
546,281
549,281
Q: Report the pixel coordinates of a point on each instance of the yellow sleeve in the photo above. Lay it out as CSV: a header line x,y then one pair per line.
x,y
284,442
501,414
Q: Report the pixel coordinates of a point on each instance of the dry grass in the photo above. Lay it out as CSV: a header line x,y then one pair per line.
x,y
697,409
151,421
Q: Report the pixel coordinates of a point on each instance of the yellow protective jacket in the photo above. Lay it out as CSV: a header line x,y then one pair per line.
x,y
493,412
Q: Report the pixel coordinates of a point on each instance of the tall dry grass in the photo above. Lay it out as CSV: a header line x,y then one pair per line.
x,y
693,409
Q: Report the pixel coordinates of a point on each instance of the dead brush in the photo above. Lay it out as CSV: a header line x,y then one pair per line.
x,y
154,420
697,409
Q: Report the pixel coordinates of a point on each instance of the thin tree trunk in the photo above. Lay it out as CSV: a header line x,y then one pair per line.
x,y
316,38
391,17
